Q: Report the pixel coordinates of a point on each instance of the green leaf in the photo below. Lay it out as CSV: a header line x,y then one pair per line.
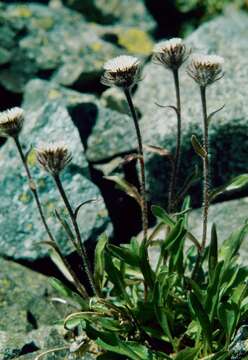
x,y
231,245
124,254
132,350
125,186
175,236
116,277
199,149
68,293
99,266
187,354
228,314
160,213
201,315
235,184
58,261
145,266
213,252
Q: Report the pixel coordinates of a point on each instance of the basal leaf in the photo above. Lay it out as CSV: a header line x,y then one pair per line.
x,y
99,266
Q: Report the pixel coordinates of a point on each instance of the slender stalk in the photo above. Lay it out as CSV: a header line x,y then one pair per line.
x,y
33,189
205,168
82,249
144,208
175,167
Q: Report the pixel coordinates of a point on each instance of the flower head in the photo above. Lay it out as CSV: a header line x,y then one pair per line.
x,y
53,157
122,71
206,69
170,53
11,122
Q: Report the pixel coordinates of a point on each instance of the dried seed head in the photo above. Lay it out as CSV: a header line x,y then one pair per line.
x,y
53,157
11,122
206,69
170,53
123,71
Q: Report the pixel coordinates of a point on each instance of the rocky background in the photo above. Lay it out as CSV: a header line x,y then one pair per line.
x,y
51,57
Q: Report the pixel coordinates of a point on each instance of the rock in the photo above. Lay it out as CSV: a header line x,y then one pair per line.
x,y
34,307
128,13
228,129
47,119
26,346
38,41
222,215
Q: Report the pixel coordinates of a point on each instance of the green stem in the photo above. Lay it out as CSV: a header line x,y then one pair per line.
x,y
205,168
33,189
144,208
83,252
175,168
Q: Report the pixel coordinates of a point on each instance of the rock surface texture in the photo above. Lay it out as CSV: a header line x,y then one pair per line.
x,y
47,120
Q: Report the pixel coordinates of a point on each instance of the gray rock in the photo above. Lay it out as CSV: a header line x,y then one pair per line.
x,y
15,345
228,217
228,129
47,119
25,300
129,13
52,43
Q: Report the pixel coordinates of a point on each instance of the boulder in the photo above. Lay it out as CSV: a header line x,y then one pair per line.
x,y
47,120
222,215
58,43
34,308
228,128
128,13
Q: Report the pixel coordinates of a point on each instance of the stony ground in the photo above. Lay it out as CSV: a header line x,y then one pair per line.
x,y
51,58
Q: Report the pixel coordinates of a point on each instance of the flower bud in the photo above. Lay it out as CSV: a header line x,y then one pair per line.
x,y
53,157
206,69
170,53
11,122
123,71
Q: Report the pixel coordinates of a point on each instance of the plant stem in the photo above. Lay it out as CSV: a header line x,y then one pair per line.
x,y
33,189
175,167
144,208
82,249
205,168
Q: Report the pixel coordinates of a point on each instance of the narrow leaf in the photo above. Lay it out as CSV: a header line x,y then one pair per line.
x,y
125,186
198,147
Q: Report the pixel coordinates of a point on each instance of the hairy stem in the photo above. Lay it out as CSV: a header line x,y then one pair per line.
x,y
33,189
205,168
81,246
144,208
176,165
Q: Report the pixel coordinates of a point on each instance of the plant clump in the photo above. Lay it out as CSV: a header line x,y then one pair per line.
x,y
192,302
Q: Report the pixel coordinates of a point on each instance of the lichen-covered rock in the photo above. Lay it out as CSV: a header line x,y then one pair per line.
x,y
57,43
127,12
222,215
25,300
14,345
47,119
228,128
51,43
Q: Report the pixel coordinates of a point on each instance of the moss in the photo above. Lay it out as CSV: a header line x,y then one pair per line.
x,y
136,41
